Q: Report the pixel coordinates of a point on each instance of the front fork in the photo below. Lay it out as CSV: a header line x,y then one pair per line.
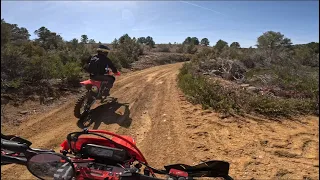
x,y
103,88
90,101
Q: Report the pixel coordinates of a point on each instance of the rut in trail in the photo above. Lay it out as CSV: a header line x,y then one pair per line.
x,y
168,129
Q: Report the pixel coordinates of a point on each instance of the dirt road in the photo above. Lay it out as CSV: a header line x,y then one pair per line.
x,y
168,129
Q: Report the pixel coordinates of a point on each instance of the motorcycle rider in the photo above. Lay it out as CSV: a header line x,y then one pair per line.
x,y
97,65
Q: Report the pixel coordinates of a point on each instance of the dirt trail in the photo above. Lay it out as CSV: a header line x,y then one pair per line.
x,y
168,129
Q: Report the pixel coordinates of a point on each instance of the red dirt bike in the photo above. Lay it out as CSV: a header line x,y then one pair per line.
x,y
89,154
95,91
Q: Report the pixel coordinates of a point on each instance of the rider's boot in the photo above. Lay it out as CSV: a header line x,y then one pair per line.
x,y
106,92
104,95
102,88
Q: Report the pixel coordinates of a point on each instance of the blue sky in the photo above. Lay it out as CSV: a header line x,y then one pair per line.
x,y
169,21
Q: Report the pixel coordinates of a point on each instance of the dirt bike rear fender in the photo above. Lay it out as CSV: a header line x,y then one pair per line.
x,y
91,82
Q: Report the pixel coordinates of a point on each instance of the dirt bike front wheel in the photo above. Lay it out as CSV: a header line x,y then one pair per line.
x,y
83,105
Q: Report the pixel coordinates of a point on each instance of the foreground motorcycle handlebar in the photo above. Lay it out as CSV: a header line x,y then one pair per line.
x,y
17,151
13,146
47,164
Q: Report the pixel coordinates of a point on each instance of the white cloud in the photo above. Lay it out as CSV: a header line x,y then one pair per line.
x,y
202,7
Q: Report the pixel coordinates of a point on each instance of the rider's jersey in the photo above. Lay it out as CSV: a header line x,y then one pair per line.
x,y
104,62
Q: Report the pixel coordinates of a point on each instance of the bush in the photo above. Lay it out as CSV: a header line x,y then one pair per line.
x,y
276,107
71,72
190,49
187,48
127,51
172,58
289,72
116,57
12,62
180,49
205,54
229,100
163,48
306,56
299,82
228,69
25,63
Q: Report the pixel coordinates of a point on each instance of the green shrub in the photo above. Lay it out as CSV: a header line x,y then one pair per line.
x,y
210,93
276,107
290,72
163,48
115,58
180,49
190,49
13,62
307,56
187,48
71,71
25,62
171,58
127,51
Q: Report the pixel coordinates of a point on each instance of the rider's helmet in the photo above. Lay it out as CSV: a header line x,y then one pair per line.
x,y
103,49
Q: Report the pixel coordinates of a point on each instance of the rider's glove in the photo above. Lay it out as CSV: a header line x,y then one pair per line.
x,y
117,73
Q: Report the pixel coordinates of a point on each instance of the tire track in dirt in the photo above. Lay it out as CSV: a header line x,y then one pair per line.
x,y
256,148
169,129
131,96
55,125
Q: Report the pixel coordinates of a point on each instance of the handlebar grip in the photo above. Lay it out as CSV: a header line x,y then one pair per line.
x,y
6,137
15,138
13,146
